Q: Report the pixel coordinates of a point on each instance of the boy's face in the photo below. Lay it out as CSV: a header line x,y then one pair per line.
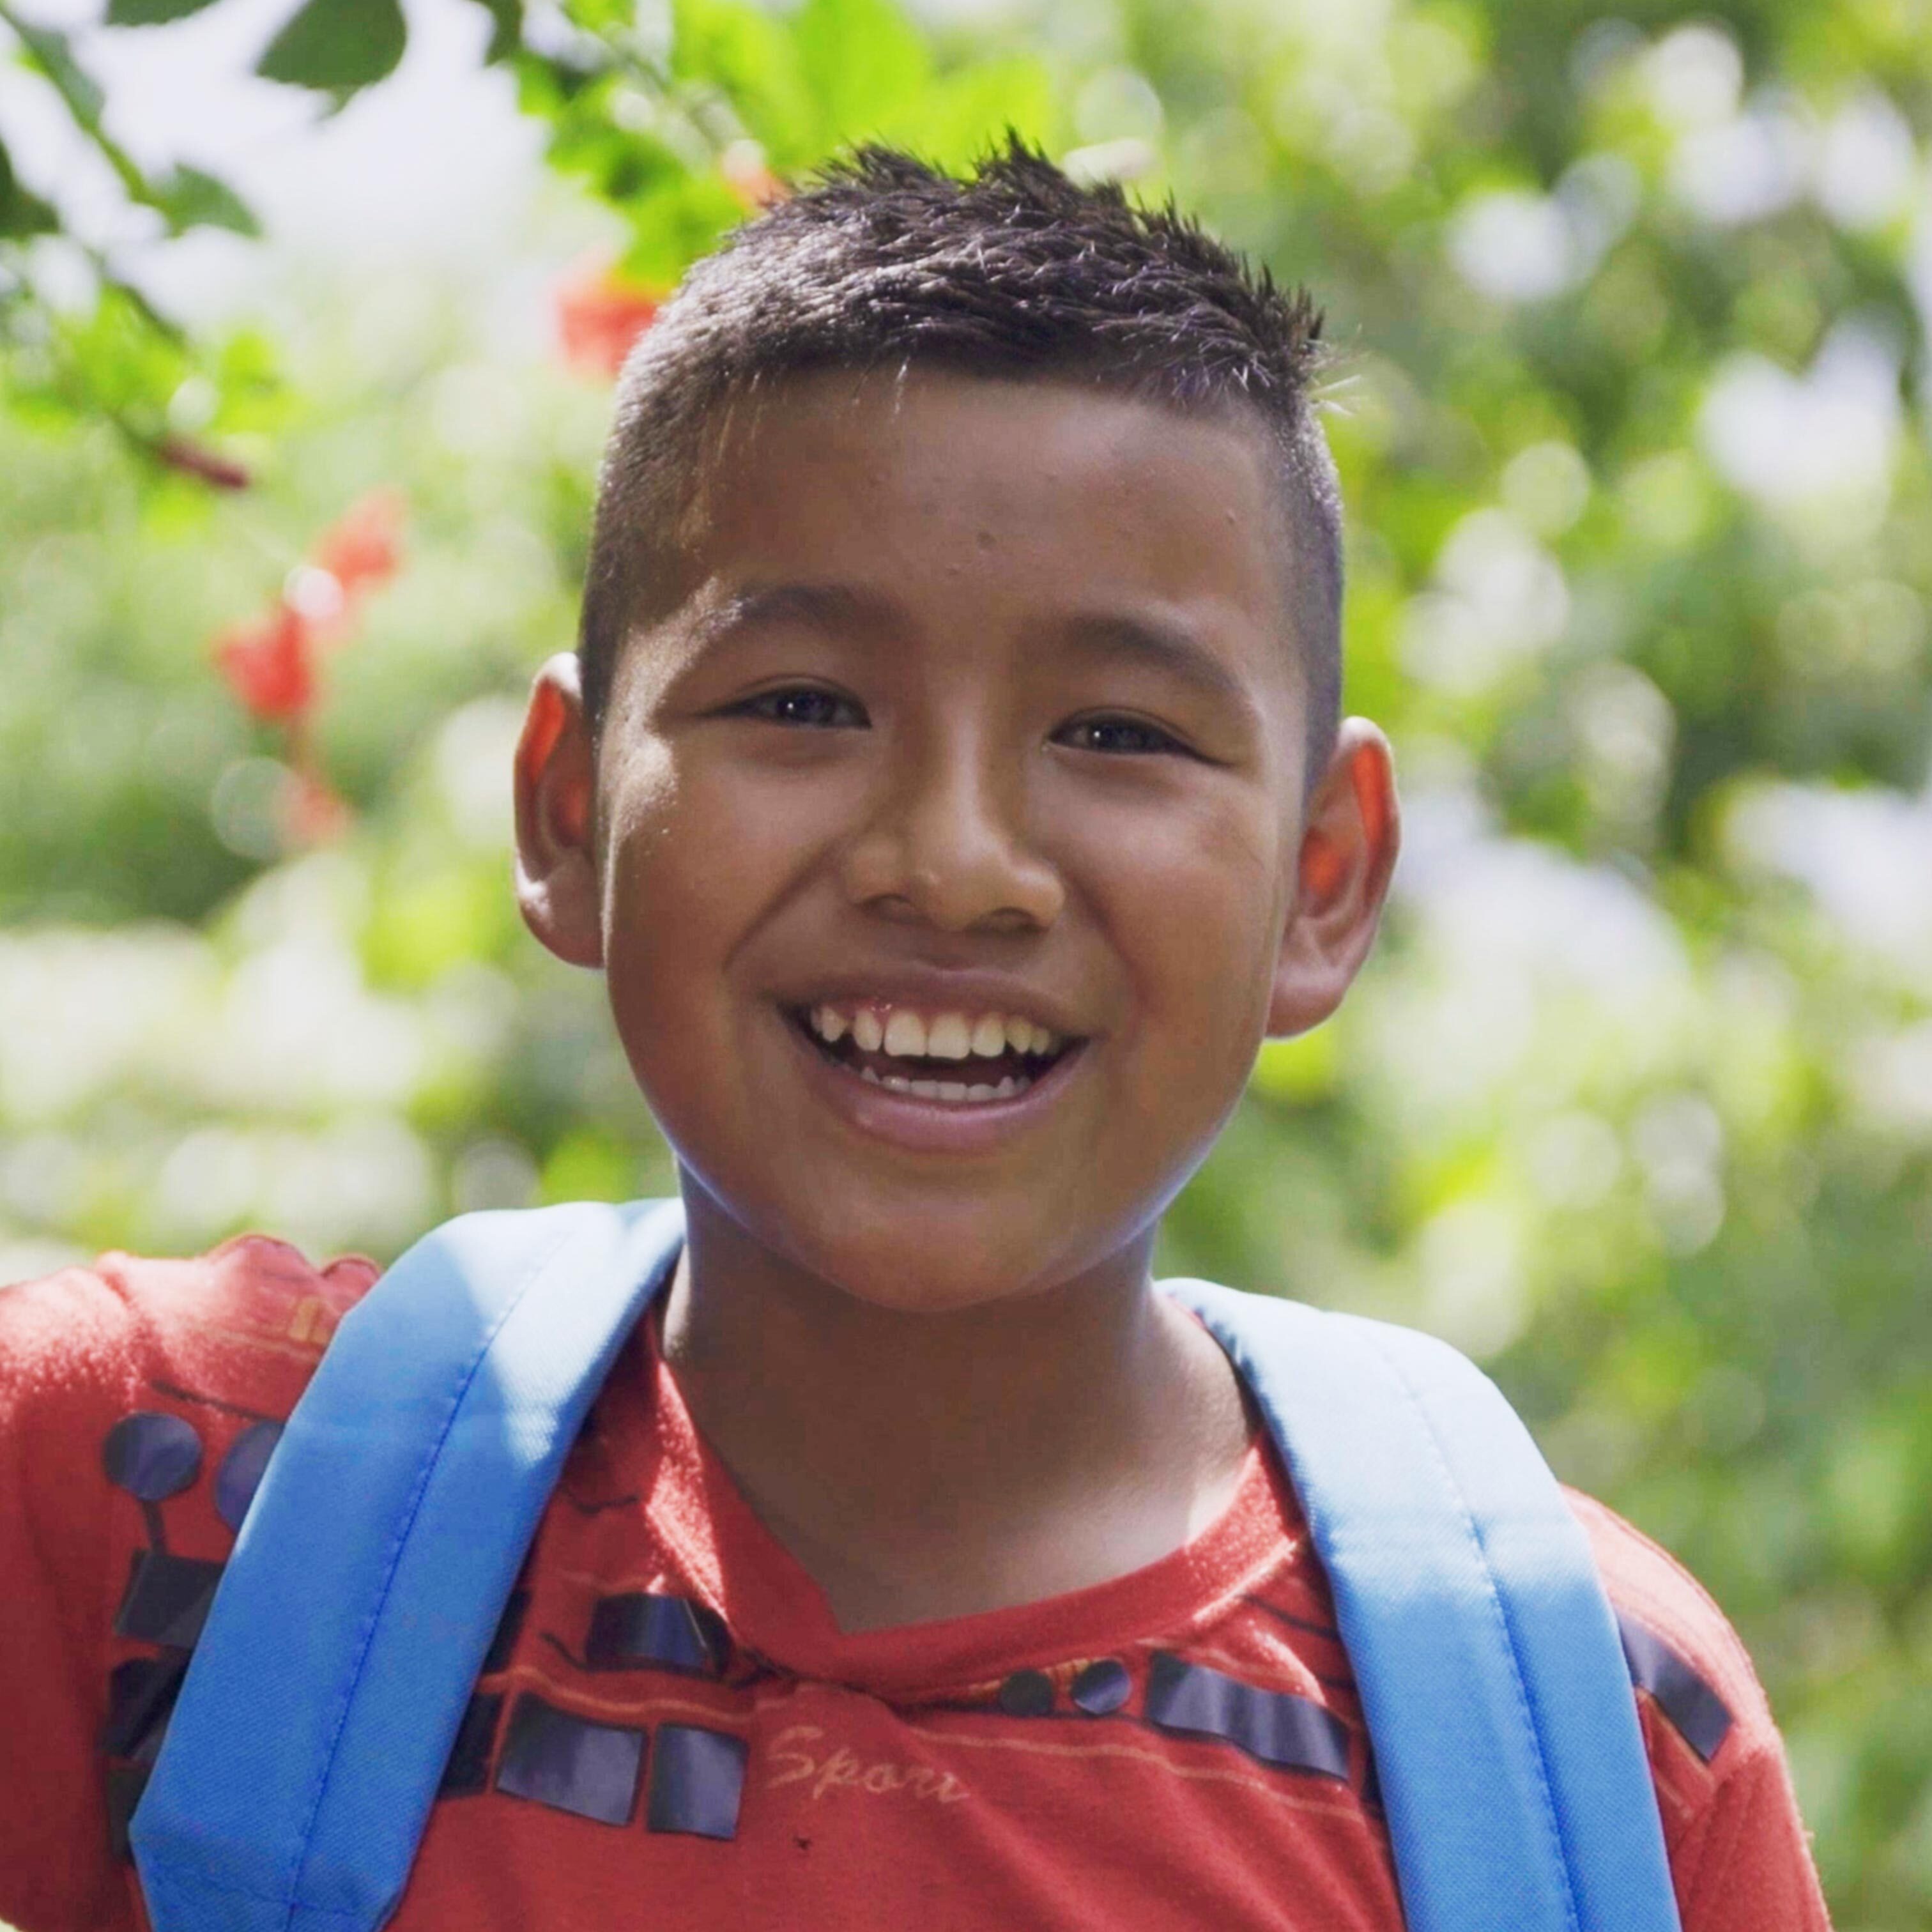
x,y
977,704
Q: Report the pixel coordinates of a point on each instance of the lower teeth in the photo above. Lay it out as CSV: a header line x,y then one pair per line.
x,y
948,1089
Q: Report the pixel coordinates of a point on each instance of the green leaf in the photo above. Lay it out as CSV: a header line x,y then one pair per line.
x,y
966,112
336,46
23,213
749,55
151,12
48,49
673,224
506,36
192,200
862,62
618,164
634,166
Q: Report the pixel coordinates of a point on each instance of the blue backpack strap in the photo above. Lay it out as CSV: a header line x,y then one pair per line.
x,y
355,1612
1506,1738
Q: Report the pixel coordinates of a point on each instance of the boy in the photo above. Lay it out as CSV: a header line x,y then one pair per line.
x,y
950,784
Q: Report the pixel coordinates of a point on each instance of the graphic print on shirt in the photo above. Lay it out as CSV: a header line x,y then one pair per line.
x,y
696,1772
665,1702
154,1456
548,1736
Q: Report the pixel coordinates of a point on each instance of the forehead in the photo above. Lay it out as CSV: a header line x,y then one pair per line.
x,y
1034,489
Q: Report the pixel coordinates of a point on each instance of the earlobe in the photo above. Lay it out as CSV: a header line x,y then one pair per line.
x,y
556,787
1347,854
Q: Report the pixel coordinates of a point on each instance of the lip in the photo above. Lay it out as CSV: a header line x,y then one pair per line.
x,y
929,1127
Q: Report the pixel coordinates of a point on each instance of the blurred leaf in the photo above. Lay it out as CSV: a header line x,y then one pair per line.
x,y
752,56
336,46
191,198
151,13
611,19
863,64
618,165
589,1166
675,222
22,212
48,50
506,34
966,113
1298,1070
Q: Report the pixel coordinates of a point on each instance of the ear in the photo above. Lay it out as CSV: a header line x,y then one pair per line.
x,y
1349,842
556,784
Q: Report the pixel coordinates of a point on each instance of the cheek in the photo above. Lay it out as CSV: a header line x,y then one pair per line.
x,y
666,904
637,788
699,854
677,838
1195,913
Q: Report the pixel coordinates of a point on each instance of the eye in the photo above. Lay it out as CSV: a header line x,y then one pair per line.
x,y
808,705
1116,734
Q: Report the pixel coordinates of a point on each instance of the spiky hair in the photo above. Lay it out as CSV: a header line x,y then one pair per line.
x,y
1013,272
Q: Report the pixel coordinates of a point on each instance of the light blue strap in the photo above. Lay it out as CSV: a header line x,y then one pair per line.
x,y
360,1591
298,1774
1505,1732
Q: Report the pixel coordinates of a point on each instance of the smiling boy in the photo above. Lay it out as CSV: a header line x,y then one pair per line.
x,y
949,785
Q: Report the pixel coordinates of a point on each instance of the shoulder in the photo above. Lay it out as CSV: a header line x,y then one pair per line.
x,y
1739,1853
246,1323
1682,1651
136,1398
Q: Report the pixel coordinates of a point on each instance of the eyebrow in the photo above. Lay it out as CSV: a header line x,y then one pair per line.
x,y
825,607
1169,649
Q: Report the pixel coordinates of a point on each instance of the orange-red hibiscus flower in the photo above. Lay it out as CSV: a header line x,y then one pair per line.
x,y
364,548
600,313
270,664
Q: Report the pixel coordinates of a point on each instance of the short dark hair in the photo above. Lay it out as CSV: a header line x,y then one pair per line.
x,y
1013,272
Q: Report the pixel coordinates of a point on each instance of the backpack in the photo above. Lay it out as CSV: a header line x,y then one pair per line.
x,y
296,1777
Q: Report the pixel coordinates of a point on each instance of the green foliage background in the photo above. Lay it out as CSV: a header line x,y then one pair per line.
x,y
1635,1101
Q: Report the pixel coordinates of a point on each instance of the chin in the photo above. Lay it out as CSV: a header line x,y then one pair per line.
x,y
922,1269
916,1257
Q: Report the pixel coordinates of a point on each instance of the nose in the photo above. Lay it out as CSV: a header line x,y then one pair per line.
x,y
945,844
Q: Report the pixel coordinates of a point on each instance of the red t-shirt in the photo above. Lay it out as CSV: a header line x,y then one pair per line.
x,y
671,1725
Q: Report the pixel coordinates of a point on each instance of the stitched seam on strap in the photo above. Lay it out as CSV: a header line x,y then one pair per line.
x,y
1499,1606
197,1882
394,1559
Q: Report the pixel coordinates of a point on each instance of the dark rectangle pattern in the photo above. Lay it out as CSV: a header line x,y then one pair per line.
x,y
125,1784
166,1600
698,1777
1275,1726
509,1627
646,1629
468,1770
141,1698
1698,1715
570,1764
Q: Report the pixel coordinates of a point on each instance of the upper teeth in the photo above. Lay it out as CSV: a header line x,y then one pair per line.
x,y
910,1036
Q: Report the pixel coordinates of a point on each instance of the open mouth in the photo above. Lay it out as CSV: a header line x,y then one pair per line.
x,y
958,1059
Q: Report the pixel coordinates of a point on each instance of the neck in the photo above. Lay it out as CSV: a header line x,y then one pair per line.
x,y
920,1466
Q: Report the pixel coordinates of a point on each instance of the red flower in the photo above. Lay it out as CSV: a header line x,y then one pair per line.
x,y
312,812
364,547
270,664
599,315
